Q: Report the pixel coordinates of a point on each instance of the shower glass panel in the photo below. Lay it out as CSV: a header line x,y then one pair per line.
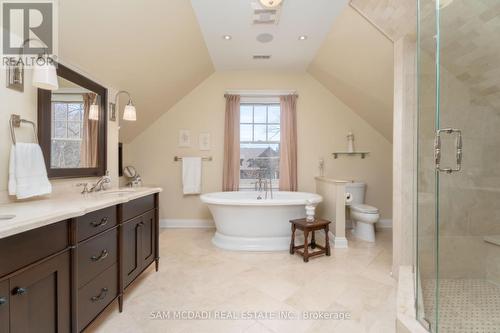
x,y
458,255
427,178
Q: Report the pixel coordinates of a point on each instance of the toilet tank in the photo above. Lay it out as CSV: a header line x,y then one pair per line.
x,y
357,190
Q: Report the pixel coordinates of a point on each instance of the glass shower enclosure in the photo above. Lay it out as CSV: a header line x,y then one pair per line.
x,y
458,222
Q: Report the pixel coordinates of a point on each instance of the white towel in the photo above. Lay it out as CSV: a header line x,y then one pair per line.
x,y
191,175
27,172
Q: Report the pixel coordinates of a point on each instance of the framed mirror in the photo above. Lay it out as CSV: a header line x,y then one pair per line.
x,y
72,126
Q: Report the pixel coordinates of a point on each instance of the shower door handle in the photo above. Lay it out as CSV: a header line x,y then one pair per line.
x,y
458,147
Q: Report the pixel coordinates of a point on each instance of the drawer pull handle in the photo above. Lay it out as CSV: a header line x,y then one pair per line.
x,y
19,291
101,296
103,222
104,254
3,300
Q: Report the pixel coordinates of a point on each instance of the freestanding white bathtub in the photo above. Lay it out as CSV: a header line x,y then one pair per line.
x,y
245,223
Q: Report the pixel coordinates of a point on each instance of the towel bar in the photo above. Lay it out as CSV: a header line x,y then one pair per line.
x,y
15,122
204,158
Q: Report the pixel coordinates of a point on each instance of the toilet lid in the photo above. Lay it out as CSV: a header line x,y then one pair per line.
x,y
364,209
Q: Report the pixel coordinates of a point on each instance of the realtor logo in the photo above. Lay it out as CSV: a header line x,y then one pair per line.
x,y
28,27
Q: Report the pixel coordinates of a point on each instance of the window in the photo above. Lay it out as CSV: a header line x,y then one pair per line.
x,y
66,136
259,144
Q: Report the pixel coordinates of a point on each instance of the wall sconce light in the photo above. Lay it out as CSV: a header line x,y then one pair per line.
x,y
44,70
45,73
94,111
129,113
94,108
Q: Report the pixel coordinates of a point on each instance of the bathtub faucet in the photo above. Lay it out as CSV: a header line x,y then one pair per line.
x,y
258,187
264,185
269,188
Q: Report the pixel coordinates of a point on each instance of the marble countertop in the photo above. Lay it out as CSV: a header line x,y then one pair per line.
x,y
37,213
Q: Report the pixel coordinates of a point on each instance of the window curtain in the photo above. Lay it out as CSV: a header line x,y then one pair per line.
x,y
231,170
288,144
90,135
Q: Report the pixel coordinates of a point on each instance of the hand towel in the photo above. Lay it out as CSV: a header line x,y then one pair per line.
x,y
191,175
27,172
12,171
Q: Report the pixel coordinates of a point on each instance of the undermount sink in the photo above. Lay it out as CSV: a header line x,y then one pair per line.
x,y
7,217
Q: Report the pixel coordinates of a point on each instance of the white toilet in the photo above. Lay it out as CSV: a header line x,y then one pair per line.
x,y
363,217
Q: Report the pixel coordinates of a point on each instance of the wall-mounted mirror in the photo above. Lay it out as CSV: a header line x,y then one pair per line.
x,y
72,126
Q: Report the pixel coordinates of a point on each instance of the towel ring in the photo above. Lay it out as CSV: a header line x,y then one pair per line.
x,y
15,122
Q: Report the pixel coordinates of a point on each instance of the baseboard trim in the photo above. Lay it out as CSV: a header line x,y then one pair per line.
x,y
384,224
338,242
186,224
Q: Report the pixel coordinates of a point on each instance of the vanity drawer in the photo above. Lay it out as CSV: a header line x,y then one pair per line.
x,y
138,207
96,254
95,222
28,247
96,295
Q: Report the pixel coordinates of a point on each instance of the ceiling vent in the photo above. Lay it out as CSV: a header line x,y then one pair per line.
x,y
264,16
262,57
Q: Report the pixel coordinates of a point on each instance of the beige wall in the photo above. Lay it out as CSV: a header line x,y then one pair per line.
x,y
12,101
323,123
345,64
25,104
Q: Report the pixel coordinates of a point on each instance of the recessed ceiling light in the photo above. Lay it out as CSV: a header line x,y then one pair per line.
x,y
303,37
271,3
227,37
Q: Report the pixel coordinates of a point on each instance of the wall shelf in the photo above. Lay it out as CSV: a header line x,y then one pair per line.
x,y
356,153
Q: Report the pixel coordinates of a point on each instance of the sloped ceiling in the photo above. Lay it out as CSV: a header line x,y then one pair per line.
x,y
394,18
468,43
152,48
155,49
356,64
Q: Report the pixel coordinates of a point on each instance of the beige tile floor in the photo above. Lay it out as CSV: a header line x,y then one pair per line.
x,y
196,276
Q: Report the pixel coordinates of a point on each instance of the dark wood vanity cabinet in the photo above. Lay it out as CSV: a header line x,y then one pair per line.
x,y
60,277
40,297
4,306
35,281
139,237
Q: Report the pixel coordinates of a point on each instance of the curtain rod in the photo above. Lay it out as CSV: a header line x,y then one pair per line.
x,y
260,93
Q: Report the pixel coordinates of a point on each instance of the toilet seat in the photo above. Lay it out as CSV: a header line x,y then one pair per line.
x,y
365,209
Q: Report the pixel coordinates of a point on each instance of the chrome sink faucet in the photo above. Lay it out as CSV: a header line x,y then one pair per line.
x,y
98,186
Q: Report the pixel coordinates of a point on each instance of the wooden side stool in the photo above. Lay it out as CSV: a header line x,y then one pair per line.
x,y
310,227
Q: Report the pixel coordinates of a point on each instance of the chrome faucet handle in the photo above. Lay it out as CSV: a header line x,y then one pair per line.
x,y
85,187
99,185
